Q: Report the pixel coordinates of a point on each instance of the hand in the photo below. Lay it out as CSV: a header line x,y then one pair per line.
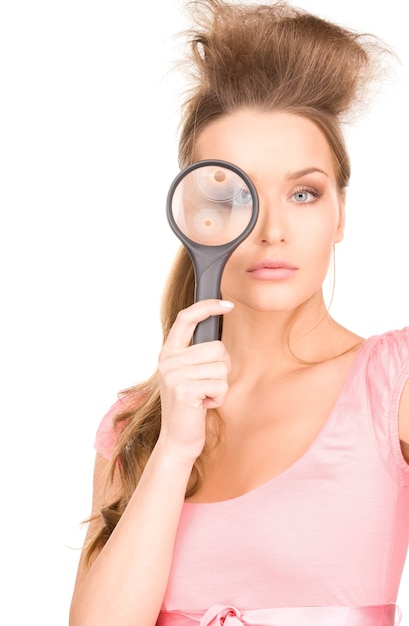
x,y
193,378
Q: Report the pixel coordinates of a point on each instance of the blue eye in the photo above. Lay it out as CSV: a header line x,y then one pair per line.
x,y
243,198
305,195
301,196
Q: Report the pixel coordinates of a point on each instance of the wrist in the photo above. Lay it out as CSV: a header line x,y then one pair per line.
x,y
174,458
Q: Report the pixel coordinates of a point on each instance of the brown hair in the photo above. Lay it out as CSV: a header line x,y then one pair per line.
x,y
266,57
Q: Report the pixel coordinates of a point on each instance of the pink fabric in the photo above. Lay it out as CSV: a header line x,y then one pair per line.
x,y
106,435
330,531
220,615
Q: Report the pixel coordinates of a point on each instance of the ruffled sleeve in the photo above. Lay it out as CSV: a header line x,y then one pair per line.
x,y
107,433
387,374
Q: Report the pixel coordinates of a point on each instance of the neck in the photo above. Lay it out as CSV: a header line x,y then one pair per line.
x,y
280,340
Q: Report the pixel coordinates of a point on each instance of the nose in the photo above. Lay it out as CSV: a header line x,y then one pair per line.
x,y
271,227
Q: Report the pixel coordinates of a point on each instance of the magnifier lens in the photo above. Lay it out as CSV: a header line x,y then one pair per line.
x,y
212,205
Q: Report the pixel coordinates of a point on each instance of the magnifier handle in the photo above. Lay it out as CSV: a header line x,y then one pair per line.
x,y
208,330
208,287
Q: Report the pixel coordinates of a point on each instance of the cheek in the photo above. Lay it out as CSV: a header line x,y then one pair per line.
x,y
232,271
315,245
319,234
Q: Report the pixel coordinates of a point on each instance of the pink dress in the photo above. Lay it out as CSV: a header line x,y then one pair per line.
x,y
322,543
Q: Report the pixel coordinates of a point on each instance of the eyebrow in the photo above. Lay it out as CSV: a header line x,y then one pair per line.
x,y
304,172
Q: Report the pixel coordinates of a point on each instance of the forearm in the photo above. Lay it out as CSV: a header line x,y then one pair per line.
x,y
126,584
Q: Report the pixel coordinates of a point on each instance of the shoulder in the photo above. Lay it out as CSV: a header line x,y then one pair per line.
x,y
388,352
385,359
106,434
109,427
387,378
384,365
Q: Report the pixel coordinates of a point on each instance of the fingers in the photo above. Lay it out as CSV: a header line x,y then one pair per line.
x,y
182,331
193,378
200,394
196,372
202,353
194,375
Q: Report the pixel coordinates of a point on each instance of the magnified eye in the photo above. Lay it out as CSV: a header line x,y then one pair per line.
x,y
243,198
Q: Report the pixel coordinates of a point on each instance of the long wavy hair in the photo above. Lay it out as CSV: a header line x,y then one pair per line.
x,y
263,57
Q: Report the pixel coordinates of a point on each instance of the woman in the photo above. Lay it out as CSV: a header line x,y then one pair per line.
x,y
263,478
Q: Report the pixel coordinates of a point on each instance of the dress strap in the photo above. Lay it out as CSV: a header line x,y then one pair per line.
x,y
224,615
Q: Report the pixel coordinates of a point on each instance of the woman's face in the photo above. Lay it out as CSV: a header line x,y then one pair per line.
x,y
285,259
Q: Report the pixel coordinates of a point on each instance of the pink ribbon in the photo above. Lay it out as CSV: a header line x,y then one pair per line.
x,y
221,615
225,615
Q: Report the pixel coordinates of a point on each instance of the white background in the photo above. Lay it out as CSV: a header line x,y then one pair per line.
x,y
88,116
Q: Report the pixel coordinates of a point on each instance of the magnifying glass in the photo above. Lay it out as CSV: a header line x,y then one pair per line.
x,y
212,206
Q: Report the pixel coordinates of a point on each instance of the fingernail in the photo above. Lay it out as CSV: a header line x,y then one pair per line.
x,y
226,304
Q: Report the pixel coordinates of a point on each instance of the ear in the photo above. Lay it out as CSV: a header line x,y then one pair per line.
x,y
339,234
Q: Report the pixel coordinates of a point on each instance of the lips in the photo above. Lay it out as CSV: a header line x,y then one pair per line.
x,y
272,264
272,269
